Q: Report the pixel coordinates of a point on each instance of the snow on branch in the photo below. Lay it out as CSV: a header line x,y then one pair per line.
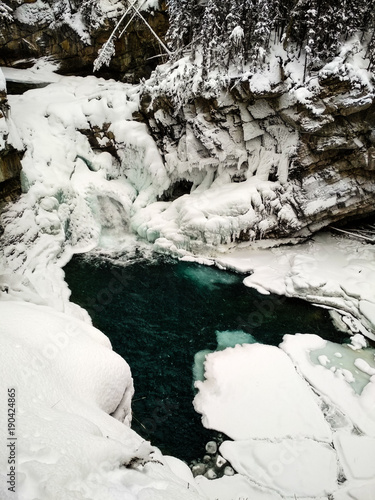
x,y
106,52
5,12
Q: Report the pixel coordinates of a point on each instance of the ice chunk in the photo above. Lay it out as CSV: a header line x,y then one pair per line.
x,y
253,391
330,380
357,454
346,363
227,338
301,467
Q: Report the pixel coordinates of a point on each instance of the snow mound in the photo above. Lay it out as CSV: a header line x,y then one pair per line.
x,y
67,381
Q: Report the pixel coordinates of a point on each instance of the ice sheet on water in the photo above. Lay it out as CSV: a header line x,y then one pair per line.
x,y
231,338
301,467
331,381
253,391
224,339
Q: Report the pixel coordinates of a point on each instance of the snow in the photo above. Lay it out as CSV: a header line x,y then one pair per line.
x,y
301,467
67,381
294,443
284,407
328,270
357,454
76,198
2,80
235,487
274,403
329,380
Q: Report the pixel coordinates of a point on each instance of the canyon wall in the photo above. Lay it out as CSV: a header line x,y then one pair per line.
x,y
316,149
10,163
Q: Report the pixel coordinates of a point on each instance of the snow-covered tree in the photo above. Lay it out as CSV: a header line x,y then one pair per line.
x,y
182,22
238,32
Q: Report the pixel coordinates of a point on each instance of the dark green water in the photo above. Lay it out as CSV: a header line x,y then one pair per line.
x,y
159,314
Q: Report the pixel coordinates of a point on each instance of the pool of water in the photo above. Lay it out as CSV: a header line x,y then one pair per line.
x,y
159,313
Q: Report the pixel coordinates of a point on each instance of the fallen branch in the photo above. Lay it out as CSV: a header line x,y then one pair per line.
x,y
354,234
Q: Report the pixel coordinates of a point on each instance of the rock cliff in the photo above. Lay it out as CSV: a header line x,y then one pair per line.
x,y
72,36
10,164
315,149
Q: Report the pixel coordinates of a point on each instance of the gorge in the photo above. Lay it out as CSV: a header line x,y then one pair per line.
x,y
189,174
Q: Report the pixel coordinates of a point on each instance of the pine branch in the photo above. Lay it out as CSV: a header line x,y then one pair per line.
x,y
107,47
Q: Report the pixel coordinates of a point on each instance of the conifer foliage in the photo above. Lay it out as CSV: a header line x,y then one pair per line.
x,y
234,32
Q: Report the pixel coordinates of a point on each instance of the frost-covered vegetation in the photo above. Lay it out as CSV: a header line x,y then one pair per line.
x,y
241,32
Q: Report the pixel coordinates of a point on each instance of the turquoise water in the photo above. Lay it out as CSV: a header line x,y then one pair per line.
x,y
159,314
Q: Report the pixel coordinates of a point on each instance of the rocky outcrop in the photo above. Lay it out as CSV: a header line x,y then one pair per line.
x,y
317,150
10,163
61,32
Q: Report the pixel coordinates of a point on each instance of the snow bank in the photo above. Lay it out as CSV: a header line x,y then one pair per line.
x,y
67,380
328,270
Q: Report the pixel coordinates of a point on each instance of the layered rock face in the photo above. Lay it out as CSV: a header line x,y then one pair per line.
x,y
62,31
316,151
10,164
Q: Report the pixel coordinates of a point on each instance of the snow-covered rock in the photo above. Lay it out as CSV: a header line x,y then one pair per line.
x,y
66,381
311,141
72,33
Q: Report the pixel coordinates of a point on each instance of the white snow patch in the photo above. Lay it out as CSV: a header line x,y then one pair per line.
x,y
357,455
301,467
253,391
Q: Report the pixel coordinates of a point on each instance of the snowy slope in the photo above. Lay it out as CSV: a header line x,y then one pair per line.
x,y
67,381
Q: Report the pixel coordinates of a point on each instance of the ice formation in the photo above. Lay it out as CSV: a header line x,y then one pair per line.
x,y
328,270
77,197
298,433
91,175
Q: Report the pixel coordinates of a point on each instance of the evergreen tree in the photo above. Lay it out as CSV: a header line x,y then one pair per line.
x,y
182,22
235,33
262,32
239,32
